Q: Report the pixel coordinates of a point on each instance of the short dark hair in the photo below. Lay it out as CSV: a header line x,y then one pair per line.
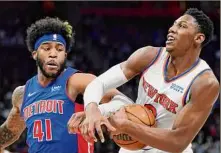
x,y
204,22
49,25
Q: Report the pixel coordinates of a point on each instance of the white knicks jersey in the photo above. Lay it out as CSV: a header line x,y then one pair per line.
x,y
166,97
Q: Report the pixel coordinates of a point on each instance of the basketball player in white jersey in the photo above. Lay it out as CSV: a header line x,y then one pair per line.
x,y
178,86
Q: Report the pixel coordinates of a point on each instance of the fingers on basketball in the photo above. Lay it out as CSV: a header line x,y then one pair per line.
x,y
137,114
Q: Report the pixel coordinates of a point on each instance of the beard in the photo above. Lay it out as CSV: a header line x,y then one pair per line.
x,y
40,64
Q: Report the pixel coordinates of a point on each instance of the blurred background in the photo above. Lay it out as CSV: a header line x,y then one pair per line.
x,y
106,34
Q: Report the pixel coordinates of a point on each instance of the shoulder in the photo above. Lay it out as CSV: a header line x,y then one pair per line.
x,y
141,58
79,81
149,51
18,95
81,77
206,79
206,86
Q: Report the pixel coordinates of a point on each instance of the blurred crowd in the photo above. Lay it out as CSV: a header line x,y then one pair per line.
x,y
101,42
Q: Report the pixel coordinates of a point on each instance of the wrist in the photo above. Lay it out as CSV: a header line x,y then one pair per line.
x,y
91,107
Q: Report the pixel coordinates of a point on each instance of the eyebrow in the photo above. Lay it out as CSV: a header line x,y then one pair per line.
x,y
184,21
181,21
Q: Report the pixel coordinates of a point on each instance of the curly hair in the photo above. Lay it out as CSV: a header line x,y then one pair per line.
x,y
49,25
204,22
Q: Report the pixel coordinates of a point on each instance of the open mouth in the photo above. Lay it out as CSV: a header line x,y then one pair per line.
x,y
52,64
170,39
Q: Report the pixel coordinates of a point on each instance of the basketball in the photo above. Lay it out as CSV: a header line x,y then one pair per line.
x,y
137,114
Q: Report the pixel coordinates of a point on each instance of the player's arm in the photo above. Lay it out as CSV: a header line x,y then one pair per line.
x,y
189,121
14,125
77,84
113,78
119,74
112,100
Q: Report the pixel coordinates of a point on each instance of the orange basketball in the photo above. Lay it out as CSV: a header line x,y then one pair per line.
x,y
138,114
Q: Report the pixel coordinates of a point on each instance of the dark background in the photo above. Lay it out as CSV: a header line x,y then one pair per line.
x,y
106,34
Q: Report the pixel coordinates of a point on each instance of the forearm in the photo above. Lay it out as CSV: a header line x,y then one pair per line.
x,y
114,105
163,139
112,78
7,137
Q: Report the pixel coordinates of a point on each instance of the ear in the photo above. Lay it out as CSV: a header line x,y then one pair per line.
x,y
66,54
199,38
34,55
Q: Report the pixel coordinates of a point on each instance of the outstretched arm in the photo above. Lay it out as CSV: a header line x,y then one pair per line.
x,y
189,121
77,84
13,127
119,74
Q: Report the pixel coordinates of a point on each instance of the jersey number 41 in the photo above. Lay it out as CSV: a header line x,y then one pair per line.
x,y
38,132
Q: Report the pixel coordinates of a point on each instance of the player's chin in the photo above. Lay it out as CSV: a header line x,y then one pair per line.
x,y
52,72
169,47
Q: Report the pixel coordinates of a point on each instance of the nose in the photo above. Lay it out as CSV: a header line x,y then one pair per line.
x,y
53,53
172,29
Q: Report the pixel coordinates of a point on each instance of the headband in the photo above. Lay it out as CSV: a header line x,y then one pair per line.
x,y
50,37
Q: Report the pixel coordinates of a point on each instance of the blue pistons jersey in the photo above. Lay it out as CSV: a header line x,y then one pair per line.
x,y
46,111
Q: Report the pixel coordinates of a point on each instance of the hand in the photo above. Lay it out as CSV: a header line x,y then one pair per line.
x,y
75,121
83,129
94,120
118,120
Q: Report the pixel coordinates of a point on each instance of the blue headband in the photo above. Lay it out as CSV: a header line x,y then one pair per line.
x,y
50,37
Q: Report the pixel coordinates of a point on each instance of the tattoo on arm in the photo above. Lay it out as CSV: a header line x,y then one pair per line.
x,y
13,127
6,136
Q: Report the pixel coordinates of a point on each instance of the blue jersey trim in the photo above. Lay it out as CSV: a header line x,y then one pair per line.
x,y
154,60
188,90
178,76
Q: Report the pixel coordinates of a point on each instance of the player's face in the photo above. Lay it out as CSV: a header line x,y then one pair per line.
x,y
51,58
183,35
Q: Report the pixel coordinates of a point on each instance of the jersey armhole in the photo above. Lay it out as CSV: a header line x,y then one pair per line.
x,y
187,94
153,61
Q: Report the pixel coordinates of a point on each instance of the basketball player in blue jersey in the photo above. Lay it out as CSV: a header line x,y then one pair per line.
x,y
178,86
47,101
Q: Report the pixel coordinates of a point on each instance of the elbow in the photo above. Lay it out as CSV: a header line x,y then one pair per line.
x,y
180,139
179,145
